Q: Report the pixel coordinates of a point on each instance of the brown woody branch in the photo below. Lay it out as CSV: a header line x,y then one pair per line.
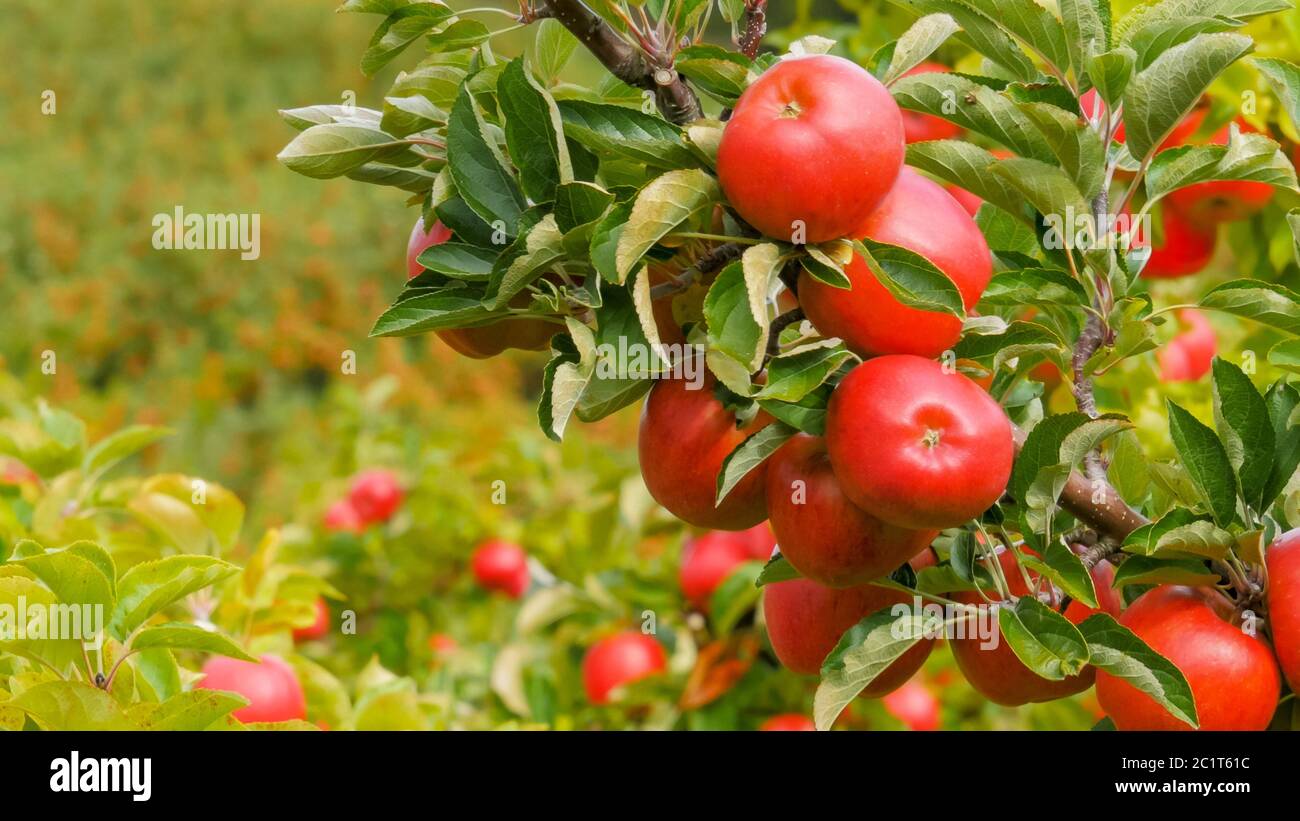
x,y
653,72
1095,503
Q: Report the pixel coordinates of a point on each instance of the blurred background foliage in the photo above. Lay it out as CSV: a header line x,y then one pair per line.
x,y
164,104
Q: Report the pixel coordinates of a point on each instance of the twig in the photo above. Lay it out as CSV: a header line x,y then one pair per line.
x,y
754,27
779,324
653,72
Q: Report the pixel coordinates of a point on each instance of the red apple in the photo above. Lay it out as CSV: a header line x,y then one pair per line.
x,y
501,566
271,687
620,660
1233,675
825,536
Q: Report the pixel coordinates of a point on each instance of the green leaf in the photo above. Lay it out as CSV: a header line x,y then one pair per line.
x,y
1265,302
982,33
1245,157
552,49
1117,650
566,377
777,569
333,149
824,268
618,132
459,260
534,133
1282,400
1044,640
605,239
1111,72
796,373
1042,449
181,636
580,203
807,415
864,652
187,712
750,454
403,27
970,167
1087,30
75,578
736,595
150,587
1150,570
1284,78
117,446
1077,147
733,331
415,180
918,43
461,34
1200,538
480,172
527,258
673,200
1162,93
1206,462
47,617
454,306
1031,24
1241,417
308,116
1051,191
1028,285
911,278
974,107
71,705
719,73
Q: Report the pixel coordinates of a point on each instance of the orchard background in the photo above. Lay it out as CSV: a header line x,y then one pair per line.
x,y
131,373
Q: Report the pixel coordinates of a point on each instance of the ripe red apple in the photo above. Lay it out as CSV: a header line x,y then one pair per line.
x,y
317,628
502,566
968,201
1233,675
271,687
918,127
914,705
620,660
1186,249
375,495
1188,356
915,445
994,669
920,216
759,541
686,433
788,722
343,517
487,340
707,559
1283,560
1208,203
805,621
826,537
815,141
